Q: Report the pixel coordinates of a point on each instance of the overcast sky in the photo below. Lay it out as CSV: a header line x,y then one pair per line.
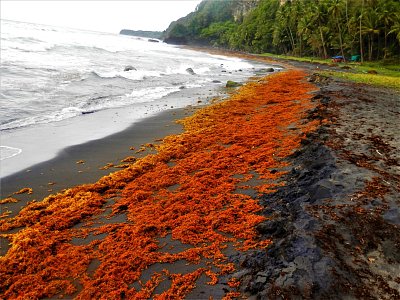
x,y
105,16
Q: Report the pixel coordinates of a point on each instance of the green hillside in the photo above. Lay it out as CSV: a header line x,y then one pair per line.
x,y
322,28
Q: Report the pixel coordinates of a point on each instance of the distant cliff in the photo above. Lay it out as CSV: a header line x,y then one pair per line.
x,y
208,20
143,33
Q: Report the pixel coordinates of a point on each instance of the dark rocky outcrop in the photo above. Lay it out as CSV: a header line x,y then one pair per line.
x,y
190,71
232,84
176,40
129,68
142,33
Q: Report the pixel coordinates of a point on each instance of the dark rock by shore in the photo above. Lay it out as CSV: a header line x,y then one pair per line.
x,y
190,71
129,68
232,84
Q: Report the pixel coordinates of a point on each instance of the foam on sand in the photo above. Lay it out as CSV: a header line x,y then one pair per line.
x,y
8,152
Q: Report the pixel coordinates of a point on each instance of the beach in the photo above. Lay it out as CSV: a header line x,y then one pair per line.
x,y
287,188
83,163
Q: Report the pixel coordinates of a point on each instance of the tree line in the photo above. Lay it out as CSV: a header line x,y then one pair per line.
x,y
322,28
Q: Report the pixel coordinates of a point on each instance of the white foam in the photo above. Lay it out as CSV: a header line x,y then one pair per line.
x,y
8,152
136,96
150,94
132,74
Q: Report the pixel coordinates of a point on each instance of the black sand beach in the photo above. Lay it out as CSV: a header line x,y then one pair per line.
x,y
83,163
334,226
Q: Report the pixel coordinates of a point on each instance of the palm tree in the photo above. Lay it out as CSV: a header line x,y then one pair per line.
x,y
360,31
370,28
385,18
335,10
318,13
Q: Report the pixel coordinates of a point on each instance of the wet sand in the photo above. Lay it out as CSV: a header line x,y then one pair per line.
x,y
81,164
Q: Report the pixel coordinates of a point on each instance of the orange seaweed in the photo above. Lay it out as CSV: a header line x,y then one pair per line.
x,y
28,191
188,192
8,200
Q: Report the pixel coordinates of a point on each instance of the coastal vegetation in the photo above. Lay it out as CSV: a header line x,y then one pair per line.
x,y
318,28
378,73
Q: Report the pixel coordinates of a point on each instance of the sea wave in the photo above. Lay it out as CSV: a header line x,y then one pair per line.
x,y
132,74
143,74
92,104
150,94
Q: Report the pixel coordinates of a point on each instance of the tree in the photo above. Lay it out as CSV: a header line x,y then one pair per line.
x,y
336,11
299,27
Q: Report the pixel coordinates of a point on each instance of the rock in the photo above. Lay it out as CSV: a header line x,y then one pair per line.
x,y
181,87
88,112
275,227
321,190
216,81
190,71
129,68
317,78
153,41
392,216
232,84
261,279
266,70
176,40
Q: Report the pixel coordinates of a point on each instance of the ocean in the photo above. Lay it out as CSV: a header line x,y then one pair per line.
x,y
52,77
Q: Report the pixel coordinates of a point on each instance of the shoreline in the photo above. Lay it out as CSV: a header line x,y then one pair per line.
x,y
47,141
63,171
340,199
56,136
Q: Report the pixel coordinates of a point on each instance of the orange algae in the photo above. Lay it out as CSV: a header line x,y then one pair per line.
x,y
8,200
28,191
187,194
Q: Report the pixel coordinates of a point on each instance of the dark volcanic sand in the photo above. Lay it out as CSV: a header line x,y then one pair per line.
x,y
336,223
64,172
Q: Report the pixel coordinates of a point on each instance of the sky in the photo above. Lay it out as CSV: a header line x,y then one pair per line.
x,y
104,16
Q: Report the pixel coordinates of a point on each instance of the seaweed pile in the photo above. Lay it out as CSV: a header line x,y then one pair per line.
x,y
154,228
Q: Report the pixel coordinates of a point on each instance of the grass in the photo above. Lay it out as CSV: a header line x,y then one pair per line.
x,y
304,59
376,80
388,73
